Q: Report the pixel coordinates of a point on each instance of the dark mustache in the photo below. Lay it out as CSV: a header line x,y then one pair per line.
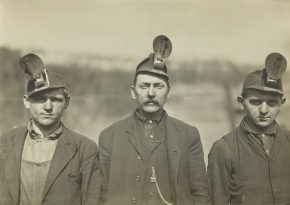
x,y
151,101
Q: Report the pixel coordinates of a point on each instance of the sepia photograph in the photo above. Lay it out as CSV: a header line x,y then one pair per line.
x,y
146,102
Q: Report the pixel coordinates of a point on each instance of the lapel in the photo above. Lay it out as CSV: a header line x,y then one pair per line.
x,y
173,150
64,152
277,143
132,134
13,163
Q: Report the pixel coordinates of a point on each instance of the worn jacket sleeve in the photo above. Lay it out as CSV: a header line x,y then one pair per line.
x,y
105,146
219,172
91,180
198,181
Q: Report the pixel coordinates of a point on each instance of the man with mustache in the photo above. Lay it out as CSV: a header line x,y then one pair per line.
x,y
45,162
150,158
251,165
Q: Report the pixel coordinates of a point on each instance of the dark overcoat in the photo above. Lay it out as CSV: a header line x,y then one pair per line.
x,y
73,177
121,160
241,172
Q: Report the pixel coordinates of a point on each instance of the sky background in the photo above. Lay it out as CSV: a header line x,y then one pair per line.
x,y
242,31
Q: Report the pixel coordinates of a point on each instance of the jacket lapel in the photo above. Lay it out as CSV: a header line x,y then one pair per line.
x,y
64,152
173,150
13,163
132,133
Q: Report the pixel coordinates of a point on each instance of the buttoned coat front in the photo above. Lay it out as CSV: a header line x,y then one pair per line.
x,y
121,161
73,177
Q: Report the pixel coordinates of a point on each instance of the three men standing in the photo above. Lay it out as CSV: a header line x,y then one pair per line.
x,y
45,162
150,157
251,165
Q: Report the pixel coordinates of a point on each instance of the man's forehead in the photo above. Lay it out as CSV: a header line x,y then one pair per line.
x,y
252,93
150,78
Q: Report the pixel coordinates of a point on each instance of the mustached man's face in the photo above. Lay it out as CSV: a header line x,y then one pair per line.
x,y
151,93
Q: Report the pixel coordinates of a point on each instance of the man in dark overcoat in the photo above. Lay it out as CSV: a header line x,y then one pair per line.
x,y
251,165
45,163
150,158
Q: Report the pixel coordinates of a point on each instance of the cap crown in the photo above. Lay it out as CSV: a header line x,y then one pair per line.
x,y
258,80
148,66
39,79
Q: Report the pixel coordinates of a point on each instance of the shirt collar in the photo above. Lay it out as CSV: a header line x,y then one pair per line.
x,y
143,119
271,130
35,132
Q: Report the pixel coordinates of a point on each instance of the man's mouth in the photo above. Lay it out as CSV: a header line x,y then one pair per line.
x,y
151,103
263,118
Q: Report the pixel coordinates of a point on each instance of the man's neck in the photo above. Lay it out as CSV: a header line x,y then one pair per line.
x,y
45,130
151,116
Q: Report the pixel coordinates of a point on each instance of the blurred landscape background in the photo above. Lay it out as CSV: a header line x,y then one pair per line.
x,y
96,45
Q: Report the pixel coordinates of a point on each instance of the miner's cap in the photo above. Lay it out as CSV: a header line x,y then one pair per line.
x,y
257,80
39,78
155,63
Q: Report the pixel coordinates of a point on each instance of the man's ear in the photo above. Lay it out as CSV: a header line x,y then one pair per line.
x,y
26,101
241,100
132,89
283,100
66,105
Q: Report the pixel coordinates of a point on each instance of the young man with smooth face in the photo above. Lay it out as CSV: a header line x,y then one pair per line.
x,y
250,165
150,157
46,108
45,162
261,108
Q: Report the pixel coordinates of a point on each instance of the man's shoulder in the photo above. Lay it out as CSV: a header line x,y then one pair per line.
x,y
6,137
79,138
180,123
120,124
226,141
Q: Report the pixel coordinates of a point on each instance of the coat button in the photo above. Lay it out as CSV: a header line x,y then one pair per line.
x,y
139,157
134,201
137,178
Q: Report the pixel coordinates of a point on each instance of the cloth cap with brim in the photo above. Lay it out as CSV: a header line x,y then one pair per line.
x,y
148,66
51,81
258,80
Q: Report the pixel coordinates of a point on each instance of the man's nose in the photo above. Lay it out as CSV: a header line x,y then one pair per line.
x,y
48,104
264,108
151,91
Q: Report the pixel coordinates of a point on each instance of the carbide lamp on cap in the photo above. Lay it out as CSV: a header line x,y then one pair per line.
x,y
155,63
270,78
39,79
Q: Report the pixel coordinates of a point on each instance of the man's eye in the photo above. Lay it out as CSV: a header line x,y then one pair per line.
x,y
56,99
273,103
255,102
159,86
38,99
143,86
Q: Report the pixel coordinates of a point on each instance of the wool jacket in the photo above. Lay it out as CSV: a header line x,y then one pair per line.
x,y
73,177
242,172
121,162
